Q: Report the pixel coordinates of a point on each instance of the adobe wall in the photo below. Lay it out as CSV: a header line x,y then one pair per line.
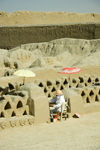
x,y
27,104
12,36
22,105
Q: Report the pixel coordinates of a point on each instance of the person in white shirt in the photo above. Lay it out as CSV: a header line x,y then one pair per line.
x,y
56,102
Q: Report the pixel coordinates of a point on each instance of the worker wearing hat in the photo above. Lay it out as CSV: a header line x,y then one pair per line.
x,y
58,100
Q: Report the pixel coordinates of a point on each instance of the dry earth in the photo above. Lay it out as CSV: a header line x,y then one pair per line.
x,y
45,59
72,134
31,17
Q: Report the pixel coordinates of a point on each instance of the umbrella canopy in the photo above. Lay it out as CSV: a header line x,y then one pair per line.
x,y
24,73
69,70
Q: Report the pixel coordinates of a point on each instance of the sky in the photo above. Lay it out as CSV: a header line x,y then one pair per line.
x,y
70,6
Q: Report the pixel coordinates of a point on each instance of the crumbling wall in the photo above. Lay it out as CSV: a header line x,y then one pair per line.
x,y
22,105
27,104
37,102
14,110
12,36
50,86
83,92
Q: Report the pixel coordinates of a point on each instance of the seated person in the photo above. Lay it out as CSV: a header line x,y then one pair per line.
x,y
58,100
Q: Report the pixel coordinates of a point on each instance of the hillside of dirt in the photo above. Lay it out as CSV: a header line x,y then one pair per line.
x,y
31,17
47,58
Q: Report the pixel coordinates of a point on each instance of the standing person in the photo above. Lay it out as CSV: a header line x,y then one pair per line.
x,y
56,102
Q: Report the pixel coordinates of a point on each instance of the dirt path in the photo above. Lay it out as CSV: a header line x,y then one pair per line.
x,y
73,134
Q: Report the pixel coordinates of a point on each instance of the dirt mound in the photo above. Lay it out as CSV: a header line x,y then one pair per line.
x,y
62,52
31,17
53,55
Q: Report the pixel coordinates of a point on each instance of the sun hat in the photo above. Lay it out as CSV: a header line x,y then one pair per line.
x,y
58,92
76,115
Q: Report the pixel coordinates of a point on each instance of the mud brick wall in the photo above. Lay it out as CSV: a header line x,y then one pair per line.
x,y
86,96
13,36
14,109
22,107
50,86
11,106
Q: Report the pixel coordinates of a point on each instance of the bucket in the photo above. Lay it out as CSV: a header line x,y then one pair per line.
x,y
54,119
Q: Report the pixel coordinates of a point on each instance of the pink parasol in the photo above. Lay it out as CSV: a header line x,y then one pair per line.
x,y
69,70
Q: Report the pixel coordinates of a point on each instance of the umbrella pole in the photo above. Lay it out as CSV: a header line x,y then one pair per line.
x,y
67,96
23,80
68,92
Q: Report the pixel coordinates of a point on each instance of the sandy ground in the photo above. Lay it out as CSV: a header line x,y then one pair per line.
x,y
73,134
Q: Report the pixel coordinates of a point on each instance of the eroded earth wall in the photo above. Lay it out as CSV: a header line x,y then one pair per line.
x,y
12,36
